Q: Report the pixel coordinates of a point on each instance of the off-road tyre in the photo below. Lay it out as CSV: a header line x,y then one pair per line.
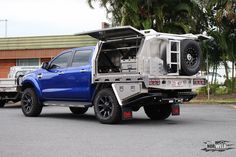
x,y
106,107
190,57
158,112
30,105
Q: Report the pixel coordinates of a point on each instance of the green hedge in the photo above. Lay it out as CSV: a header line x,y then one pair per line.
x,y
214,89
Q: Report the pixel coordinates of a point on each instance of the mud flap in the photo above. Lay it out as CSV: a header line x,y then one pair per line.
x,y
127,113
175,109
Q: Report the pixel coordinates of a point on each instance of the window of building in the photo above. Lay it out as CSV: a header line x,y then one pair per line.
x,y
28,62
81,58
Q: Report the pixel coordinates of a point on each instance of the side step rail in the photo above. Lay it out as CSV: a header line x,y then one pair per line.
x,y
67,103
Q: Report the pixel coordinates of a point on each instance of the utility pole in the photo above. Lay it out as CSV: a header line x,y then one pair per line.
x,y
5,20
208,85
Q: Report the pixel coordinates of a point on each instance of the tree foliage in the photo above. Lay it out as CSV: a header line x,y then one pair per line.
x,y
176,16
221,15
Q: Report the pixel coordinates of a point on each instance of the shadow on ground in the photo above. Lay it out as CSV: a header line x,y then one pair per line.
x,y
69,116
92,118
12,106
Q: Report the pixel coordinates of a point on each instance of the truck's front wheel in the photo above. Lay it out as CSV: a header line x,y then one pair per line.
x,y
158,112
106,107
30,104
2,103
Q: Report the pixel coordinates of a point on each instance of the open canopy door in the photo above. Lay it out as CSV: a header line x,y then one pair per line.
x,y
114,33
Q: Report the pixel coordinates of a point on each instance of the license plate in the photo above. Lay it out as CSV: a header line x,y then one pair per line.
x,y
177,83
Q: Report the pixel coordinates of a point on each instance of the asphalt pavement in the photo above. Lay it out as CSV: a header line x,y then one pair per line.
x,y
59,133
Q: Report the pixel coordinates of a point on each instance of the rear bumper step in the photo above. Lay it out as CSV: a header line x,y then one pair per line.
x,y
160,98
186,96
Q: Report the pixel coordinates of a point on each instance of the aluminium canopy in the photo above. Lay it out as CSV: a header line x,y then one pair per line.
x,y
114,33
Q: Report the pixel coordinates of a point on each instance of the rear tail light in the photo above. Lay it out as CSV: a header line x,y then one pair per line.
x,y
154,81
199,82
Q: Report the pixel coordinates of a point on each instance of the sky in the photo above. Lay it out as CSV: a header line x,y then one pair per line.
x,y
49,17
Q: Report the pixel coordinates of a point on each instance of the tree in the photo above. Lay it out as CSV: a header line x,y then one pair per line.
x,y
174,16
222,18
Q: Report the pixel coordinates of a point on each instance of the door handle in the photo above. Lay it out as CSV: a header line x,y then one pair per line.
x,y
83,70
60,72
40,75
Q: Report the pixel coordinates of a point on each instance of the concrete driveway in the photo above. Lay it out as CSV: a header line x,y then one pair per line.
x,y
59,133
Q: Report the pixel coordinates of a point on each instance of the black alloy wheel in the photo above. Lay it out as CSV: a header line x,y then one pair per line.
x,y
30,104
106,107
27,102
190,57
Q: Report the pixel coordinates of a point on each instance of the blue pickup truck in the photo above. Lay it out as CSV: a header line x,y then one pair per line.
x,y
126,70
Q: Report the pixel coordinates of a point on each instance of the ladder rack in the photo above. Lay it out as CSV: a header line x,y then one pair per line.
x,y
173,57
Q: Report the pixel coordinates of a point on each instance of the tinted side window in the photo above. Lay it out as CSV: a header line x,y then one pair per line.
x,y
61,61
81,58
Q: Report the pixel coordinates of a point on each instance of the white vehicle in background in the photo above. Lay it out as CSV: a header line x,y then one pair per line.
x,y
219,78
17,71
9,86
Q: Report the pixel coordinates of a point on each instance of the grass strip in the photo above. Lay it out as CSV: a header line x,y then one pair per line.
x,y
213,101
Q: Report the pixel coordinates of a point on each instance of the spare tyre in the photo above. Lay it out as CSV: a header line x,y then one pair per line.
x,y
190,57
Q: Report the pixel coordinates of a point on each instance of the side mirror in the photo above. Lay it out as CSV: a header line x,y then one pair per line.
x,y
45,65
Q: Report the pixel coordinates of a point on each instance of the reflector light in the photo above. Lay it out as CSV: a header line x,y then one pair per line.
x,y
154,81
199,82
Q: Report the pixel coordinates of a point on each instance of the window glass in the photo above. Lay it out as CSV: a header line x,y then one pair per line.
x,y
81,58
61,61
27,62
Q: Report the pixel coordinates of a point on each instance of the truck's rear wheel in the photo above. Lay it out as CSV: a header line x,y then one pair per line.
x,y
106,107
2,103
158,112
78,110
30,104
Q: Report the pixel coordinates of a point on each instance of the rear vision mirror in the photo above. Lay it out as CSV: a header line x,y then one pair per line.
x,y
44,65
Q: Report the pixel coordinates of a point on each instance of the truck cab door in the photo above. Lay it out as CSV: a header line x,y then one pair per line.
x,y
53,80
78,76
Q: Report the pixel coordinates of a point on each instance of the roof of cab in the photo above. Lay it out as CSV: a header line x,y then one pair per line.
x,y
79,48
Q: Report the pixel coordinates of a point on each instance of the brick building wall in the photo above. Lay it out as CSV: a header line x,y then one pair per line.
x,y
5,66
8,58
43,48
24,54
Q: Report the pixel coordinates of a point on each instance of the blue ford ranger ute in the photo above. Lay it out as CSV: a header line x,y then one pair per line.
x,y
126,70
